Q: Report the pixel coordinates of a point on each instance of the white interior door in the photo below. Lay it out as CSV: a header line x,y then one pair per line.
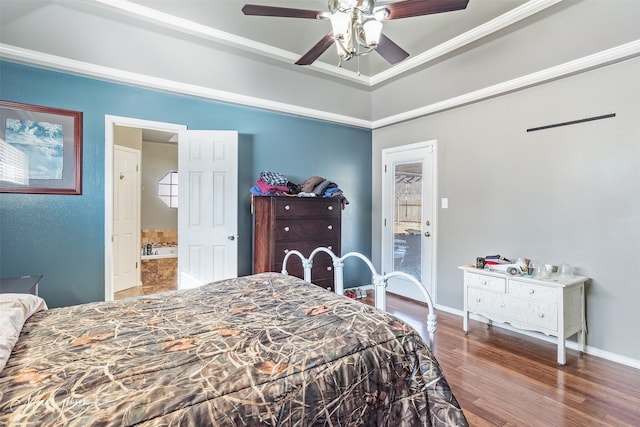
x,y
126,218
208,206
408,231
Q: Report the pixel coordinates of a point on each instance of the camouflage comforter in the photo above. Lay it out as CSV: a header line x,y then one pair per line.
x,y
260,350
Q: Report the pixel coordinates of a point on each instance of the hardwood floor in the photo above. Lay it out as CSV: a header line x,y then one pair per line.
x,y
502,378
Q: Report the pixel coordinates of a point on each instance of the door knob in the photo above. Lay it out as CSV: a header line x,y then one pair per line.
x,y
427,234
231,237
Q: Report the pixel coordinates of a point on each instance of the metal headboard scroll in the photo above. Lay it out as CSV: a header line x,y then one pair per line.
x,y
379,281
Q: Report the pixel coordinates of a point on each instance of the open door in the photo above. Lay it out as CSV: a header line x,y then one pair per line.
x,y
126,218
208,206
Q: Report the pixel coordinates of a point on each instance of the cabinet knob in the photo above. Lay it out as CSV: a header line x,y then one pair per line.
x,y
286,229
330,227
484,282
329,268
330,248
330,208
541,315
287,207
286,251
531,291
478,300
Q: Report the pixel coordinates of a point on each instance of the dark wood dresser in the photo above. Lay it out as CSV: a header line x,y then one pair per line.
x,y
283,223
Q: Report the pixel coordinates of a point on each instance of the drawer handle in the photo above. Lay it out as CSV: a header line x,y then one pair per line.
x,y
330,208
330,227
286,229
287,207
531,291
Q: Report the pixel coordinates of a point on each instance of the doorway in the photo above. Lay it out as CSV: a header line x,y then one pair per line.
x,y
150,128
408,227
208,202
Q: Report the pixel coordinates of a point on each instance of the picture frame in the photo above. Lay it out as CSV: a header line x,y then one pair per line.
x,y
40,149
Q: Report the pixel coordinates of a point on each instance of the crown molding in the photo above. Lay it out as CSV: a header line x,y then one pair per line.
x,y
186,26
45,60
603,58
496,24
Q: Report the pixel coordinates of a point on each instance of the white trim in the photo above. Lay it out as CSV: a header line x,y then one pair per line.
x,y
605,57
113,74
593,351
192,28
496,24
109,123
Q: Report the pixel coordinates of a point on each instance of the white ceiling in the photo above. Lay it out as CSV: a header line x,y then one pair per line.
x,y
209,49
415,35
425,38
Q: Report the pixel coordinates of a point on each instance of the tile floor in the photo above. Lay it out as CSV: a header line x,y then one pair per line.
x,y
147,289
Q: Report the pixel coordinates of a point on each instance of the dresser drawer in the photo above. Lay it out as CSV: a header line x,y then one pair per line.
x,y
497,284
533,291
322,268
483,301
533,314
304,208
305,247
297,229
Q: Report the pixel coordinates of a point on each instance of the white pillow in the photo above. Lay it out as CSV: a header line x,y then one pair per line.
x,y
15,309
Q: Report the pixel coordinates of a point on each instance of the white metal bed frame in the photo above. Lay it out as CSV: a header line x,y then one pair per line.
x,y
379,282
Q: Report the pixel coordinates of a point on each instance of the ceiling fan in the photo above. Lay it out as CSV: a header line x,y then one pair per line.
x,y
357,24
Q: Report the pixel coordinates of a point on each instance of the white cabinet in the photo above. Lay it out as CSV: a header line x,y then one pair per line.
x,y
555,306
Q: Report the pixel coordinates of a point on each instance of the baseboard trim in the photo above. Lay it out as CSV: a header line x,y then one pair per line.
x,y
590,350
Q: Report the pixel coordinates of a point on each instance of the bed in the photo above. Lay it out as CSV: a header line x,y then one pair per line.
x,y
261,350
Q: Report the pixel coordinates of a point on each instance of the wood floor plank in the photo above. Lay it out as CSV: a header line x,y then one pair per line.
x,y
503,378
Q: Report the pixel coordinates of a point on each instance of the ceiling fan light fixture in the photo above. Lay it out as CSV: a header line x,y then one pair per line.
x,y
372,30
342,33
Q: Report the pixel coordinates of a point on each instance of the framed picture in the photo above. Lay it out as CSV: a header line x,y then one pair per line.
x,y
40,149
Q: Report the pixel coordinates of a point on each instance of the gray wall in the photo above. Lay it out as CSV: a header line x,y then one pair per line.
x,y
157,160
567,194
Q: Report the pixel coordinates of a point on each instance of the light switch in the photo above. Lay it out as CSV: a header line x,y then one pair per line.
x,y
445,202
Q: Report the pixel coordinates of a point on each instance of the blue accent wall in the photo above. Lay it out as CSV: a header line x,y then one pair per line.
x,y
62,237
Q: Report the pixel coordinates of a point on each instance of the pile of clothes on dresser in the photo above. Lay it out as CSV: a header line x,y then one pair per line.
x,y
276,184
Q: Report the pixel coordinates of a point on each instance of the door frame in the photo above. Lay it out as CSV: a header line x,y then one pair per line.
x,y
433,146
109,122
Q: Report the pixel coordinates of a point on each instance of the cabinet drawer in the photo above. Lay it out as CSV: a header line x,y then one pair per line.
x,y
483,301
497,284
521,312
298,229
534,314
533,291
296,208
304,247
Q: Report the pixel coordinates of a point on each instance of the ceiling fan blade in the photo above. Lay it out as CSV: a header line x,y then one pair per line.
x,y
390,51
317,50
411,8
285,12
